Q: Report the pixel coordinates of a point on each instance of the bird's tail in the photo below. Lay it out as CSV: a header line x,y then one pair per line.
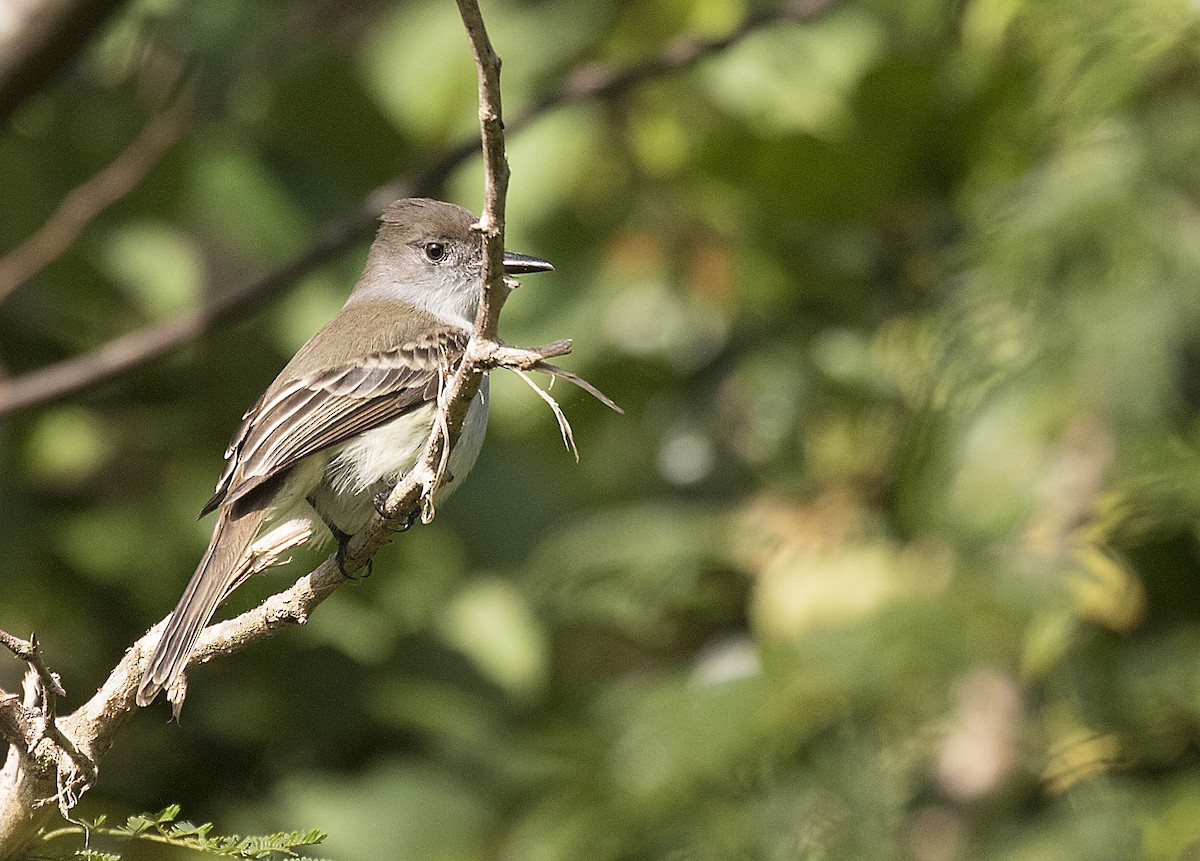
x,y
225,564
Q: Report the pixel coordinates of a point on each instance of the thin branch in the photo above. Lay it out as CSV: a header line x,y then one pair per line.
x,y
135,348
419,485
86,201
29,652
587,83
495,183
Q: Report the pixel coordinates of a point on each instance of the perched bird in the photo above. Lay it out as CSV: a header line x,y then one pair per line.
x,y
347,418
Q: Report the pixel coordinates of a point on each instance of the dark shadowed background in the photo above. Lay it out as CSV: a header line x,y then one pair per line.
x,y
894,554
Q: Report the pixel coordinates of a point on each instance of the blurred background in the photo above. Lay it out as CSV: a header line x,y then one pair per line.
x,y
894,553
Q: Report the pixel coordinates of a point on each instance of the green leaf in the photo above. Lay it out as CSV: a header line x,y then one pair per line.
x,y
162,827
94,855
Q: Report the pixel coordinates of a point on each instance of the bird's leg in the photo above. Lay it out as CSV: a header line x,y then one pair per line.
x,y
343,541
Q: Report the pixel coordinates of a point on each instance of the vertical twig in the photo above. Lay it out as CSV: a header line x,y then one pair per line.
x,y
495,165
456,395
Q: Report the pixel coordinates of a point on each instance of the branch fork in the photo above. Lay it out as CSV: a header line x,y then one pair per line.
x,y
30,726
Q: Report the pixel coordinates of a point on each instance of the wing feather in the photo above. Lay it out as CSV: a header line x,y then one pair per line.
x,y
239,437
329,406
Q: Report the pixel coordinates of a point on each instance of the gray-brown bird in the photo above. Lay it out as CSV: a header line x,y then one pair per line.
x,y
347,418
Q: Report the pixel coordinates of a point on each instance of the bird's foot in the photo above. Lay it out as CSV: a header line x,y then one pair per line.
x,y
380,501
343,541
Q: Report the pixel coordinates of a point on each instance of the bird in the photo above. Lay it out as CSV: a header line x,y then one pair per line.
x,y
345,419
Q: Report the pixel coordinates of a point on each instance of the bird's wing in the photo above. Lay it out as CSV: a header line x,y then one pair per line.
x,y
328,406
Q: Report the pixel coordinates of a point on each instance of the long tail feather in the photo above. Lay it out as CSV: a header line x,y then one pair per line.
x,y
222,568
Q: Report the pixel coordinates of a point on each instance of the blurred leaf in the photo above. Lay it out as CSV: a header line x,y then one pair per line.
x,y
491,624
757,79
67,445
398,811
160,269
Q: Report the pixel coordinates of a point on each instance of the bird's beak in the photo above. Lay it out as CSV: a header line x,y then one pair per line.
x,y
522,264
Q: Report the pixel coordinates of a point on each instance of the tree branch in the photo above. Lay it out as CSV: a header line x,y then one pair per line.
x,y
17,723
495,183
43,761
29,651
136,348
587,83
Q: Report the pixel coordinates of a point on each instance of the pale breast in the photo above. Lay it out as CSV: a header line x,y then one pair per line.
x,y
372,461
382,454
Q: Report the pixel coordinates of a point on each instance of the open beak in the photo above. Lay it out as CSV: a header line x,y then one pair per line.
x,y
522,264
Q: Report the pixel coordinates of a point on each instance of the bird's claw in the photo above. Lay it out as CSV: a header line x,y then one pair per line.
x,y
380,501
343,540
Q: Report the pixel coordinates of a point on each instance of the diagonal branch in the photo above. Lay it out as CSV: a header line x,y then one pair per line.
x,y
135,348
420,485
592,82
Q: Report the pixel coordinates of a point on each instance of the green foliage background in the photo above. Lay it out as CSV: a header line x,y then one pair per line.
x,y
894,554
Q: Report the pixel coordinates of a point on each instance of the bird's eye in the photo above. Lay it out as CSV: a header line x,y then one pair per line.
x,y
435,251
